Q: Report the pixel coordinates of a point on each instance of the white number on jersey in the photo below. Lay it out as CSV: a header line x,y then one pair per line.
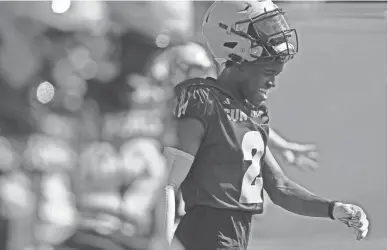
x,y
253,149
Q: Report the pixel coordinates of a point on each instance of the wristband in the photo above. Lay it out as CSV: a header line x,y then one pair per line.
x,y
331,208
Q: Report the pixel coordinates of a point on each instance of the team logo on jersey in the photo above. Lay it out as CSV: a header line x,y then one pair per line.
x,y
257,113
236,115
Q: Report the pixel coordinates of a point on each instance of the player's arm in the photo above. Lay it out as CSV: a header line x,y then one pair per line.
x,y
179,161
289,195
297,199
192,112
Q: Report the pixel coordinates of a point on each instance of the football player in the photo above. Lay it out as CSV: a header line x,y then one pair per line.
x,y
93,154
222,162
192,60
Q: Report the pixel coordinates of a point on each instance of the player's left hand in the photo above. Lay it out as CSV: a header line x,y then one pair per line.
x,y
353,216
303,156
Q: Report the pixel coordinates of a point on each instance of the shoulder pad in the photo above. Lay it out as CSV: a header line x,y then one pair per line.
x,y
194,99
197,82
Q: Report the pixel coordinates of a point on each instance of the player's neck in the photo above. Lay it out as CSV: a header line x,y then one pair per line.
x,y
230,82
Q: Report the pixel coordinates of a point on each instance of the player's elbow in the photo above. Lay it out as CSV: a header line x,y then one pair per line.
x,y
275,189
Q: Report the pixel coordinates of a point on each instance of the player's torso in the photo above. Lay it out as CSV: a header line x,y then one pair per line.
x,y
226,172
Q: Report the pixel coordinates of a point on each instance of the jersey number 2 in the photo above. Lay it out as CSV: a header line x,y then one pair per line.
x,y
253,149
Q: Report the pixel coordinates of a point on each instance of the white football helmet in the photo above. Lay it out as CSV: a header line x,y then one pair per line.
x,y
248,30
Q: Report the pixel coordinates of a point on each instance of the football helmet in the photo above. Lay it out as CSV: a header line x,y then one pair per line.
x,y
245,31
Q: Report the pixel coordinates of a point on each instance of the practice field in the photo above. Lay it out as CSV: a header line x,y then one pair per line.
x,y
319,244
334,93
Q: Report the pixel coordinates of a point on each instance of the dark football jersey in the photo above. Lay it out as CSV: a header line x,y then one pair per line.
x,y
226,172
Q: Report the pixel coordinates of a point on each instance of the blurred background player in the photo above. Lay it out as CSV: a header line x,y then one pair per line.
x,y
85,119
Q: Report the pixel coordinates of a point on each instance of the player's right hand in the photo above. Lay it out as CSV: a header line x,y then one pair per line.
x,y
302,156
353,216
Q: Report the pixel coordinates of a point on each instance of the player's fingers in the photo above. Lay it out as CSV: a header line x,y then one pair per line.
x,y
313,155
297,163
364,225
360,213
289,156
307,148
343,213
357,220
312,164
357,213
362,234
359,224
302,168
307,162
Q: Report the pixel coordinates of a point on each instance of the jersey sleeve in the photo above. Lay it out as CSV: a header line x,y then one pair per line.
x,y
194,101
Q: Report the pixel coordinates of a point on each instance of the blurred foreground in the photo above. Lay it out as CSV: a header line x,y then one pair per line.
x,y
333,93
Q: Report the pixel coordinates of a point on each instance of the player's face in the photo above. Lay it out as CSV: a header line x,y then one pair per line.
x,y
259,79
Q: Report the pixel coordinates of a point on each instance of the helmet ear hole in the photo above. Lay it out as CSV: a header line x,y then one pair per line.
x,y
230,45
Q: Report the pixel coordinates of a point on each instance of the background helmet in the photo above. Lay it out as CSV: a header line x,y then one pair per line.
x,y
170,20
248,30
184,62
